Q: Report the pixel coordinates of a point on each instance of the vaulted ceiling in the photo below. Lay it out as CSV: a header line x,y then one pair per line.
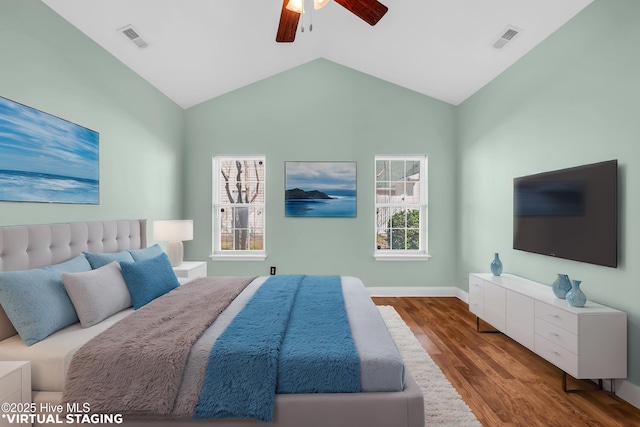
x,y
200,49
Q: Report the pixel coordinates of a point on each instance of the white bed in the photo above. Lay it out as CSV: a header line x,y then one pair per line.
x,y
28,247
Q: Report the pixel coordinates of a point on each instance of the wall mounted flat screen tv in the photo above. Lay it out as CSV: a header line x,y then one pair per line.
x,y
569,213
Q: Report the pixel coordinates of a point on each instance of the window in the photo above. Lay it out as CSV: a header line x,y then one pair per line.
x,y
401,208
239,207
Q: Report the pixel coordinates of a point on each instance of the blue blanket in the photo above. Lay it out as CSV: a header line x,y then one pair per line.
x,y
293,336
318,353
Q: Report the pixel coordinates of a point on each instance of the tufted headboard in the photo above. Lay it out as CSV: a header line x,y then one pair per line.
x,y
25,247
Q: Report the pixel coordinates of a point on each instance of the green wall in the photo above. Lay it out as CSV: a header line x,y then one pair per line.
x,y
50,65
573,100
324,111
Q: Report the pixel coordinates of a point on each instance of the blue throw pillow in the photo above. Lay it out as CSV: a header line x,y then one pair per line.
x,y
149,279
145,253
35,300
98,260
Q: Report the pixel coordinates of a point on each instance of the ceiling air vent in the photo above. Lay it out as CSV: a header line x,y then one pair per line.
x,y
133,35
507,35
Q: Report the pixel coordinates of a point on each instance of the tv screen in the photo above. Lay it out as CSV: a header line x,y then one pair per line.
x,y
569,213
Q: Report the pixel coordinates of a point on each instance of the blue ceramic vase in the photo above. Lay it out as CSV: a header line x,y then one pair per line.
x,y
496,265
561,286
575,296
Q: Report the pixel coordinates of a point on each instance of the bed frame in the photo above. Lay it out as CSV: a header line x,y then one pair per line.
x,y
34,246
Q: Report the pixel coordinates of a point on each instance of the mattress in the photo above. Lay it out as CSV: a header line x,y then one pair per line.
x,y
382,368
50,357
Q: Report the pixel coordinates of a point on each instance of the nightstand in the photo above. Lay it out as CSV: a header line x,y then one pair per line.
x,y
191,269
15,386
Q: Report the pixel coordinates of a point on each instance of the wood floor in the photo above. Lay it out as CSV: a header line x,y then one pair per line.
x,y
504,383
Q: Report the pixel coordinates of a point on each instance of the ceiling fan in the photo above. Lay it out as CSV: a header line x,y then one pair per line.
x,y
370,11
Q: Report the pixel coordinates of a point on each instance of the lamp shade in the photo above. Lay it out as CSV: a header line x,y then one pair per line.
x,y
319,4
178,230
296,6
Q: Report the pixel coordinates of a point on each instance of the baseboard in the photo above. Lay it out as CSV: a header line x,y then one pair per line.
x,y
418,291
622,388
625,390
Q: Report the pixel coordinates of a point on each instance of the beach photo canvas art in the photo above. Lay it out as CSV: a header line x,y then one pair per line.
x,y
320,189
46,159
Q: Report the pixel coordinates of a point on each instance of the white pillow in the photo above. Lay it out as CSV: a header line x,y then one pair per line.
x,y
97,294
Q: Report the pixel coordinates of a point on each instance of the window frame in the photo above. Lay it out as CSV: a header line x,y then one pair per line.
x,y
218,253
420,254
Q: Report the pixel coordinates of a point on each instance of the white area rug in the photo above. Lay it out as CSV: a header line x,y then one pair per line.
x,y
443,406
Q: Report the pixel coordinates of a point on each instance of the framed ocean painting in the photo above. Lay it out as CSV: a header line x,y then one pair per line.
x,y
46,159
320,189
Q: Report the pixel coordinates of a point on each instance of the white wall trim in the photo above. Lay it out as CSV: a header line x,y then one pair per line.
x,y
625,390
418,291
239,256
403,256
622,388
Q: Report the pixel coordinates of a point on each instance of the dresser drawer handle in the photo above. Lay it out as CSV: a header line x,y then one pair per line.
x,y
554,335
555,316
556,353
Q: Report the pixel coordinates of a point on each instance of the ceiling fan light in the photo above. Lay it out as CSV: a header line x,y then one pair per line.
x,y
318,4
296,6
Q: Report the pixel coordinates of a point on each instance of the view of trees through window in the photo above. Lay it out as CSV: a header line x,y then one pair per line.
x,y
404,230
240,204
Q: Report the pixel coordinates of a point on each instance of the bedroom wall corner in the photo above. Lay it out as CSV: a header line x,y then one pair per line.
x,y
50,65
343,115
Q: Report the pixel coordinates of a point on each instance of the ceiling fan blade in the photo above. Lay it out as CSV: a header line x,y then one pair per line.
x,y
370,11
288,25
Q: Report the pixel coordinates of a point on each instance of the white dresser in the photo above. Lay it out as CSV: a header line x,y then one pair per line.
x,y
587,343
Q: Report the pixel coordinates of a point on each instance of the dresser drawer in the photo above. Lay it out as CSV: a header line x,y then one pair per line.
x,y
476,297
557,335
9,384
557,316
559,356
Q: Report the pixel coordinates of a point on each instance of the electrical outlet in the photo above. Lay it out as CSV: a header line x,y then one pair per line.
x,y
273,271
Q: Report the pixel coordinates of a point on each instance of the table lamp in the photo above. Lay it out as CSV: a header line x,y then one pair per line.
x,y
175,232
